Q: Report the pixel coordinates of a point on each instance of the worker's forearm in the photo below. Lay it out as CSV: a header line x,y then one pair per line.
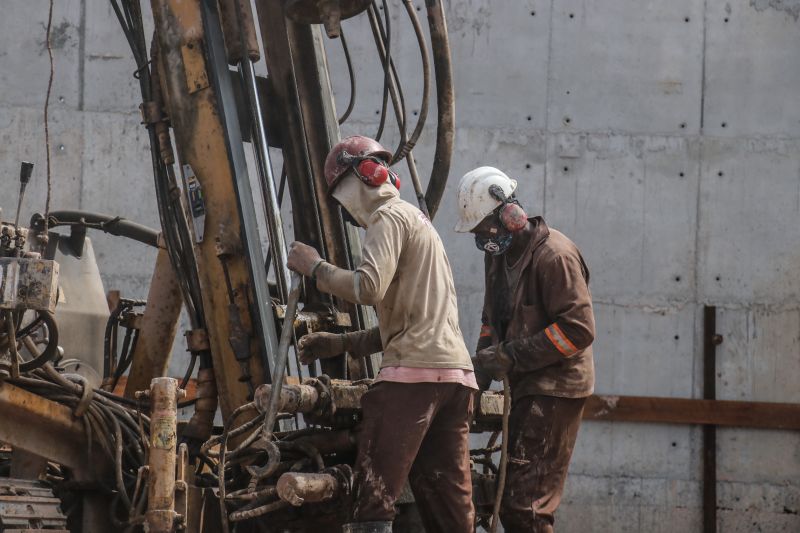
x,y
364,342
528,354
336,281
355,287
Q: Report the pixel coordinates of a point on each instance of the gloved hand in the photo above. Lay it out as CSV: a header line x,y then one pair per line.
x,y
481,376
320,346
494,362
302,258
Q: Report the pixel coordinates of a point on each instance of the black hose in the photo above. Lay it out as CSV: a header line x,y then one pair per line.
x,y
50,351
352,75
406,147
113,225
383,40
445,105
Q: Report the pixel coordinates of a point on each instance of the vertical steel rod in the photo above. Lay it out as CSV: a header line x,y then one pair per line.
x,y
710,342
272,208
287,332
263,319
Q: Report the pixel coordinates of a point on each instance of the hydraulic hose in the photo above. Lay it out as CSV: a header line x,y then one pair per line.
x,y
50,350
287,332
445,104
406,147
113,225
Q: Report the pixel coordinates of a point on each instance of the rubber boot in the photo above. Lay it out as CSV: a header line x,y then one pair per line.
x,y
367,527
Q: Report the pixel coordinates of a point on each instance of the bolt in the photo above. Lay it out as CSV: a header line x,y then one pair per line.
x,y
61,147
716,340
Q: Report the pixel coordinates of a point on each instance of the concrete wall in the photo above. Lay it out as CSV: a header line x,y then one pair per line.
x,y
661,136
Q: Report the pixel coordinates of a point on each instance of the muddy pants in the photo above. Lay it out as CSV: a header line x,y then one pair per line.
x,y
419,432
542,433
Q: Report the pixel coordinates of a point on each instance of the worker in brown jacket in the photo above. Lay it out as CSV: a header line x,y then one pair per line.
x,y
537,329
416,416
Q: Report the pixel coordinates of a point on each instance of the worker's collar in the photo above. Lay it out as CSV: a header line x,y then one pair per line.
x,y
361,200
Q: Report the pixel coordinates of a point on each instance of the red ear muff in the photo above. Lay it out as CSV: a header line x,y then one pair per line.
x,y
372,173
513,217
511,214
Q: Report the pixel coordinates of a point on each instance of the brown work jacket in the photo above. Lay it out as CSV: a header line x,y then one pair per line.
x,y
549,322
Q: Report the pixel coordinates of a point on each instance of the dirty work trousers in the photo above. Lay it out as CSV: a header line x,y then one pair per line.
x,y
542,433
419,432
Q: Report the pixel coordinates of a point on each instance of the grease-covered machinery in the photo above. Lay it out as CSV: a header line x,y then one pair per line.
x,y
115,454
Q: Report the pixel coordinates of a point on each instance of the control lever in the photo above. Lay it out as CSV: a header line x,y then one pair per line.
x,y
25,171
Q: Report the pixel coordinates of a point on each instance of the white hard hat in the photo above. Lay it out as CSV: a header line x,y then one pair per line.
x,y
474,201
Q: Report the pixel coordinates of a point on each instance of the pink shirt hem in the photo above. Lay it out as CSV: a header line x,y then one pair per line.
x,y
406,374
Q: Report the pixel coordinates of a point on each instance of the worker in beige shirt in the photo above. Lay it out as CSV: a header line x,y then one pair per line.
x,y
416,416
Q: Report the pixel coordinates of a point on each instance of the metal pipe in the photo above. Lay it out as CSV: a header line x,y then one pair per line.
x,y
164,394
298,488
710,341
239,30
272,210
153,348
292,398
287,332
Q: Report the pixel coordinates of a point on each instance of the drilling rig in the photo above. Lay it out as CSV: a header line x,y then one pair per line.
x,y
88,419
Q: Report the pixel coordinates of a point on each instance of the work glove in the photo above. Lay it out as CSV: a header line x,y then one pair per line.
x,y
484,380
320,345
494,362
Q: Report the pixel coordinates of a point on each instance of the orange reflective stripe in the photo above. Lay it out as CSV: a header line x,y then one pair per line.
x,y
565,338
560,340
486,331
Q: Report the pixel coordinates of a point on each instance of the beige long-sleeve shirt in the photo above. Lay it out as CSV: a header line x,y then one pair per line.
x,y
405,274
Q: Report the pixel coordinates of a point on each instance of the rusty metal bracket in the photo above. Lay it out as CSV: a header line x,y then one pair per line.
x,y
194,64
197,340
182,486
151,112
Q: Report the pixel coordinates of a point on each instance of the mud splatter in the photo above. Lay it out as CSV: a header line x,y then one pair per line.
x,y
60,37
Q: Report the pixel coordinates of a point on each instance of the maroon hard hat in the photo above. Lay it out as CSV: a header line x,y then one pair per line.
x,y
349,150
